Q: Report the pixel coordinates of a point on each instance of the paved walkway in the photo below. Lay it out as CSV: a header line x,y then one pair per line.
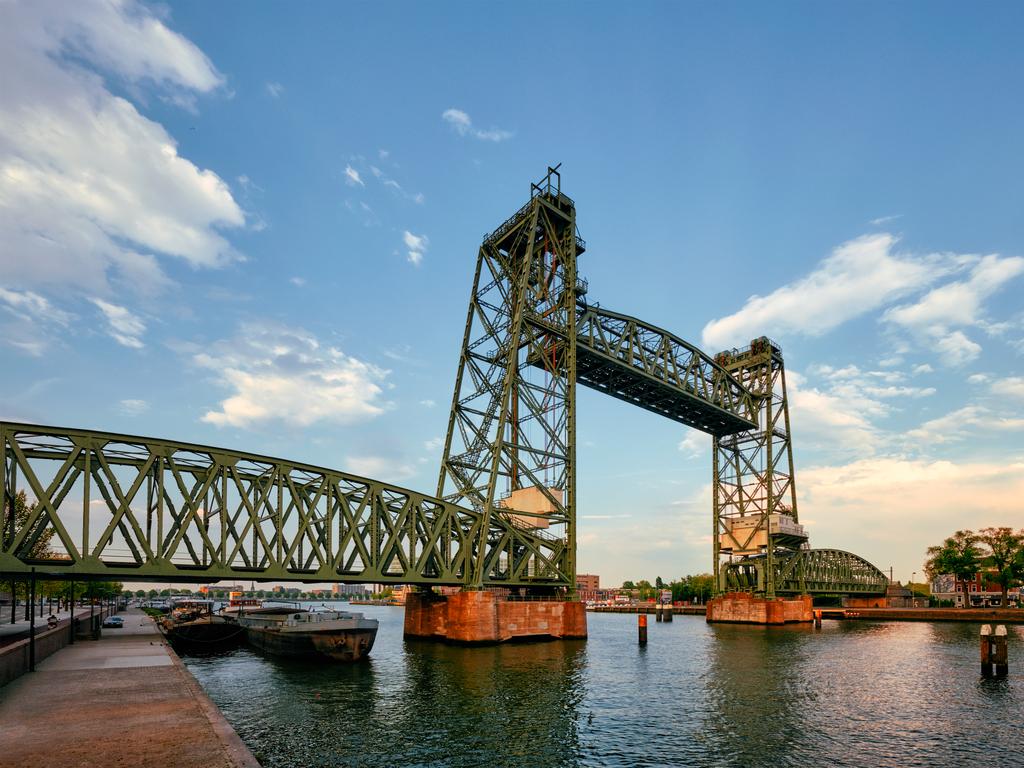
x,y
125,700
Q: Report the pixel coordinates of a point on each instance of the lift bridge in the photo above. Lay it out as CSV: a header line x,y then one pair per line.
x,y
504,512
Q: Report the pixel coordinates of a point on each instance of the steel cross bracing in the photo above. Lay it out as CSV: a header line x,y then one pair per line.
x,y
125,507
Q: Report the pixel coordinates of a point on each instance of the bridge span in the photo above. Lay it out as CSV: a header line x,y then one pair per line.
x,y
504,512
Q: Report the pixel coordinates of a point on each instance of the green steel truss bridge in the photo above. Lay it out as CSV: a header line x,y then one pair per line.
x,y
504,512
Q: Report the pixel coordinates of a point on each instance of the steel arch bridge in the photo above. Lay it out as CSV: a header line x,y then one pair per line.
x,y
809,571
504,512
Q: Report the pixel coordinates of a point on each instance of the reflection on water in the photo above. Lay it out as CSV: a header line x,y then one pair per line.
x,y
856,694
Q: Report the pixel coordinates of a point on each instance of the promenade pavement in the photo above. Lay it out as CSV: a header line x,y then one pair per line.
x,y
125,700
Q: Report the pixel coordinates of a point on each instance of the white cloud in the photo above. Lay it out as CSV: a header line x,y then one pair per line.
x,y
857,277
922,368
275,89
31,321
285,375
890,510
462,124
379,468
958,304
352,177
89,188
383,154
434,444
417,245
957,349
427,403
134,407
124,327
1012,386
695,445
885,219
839,414
960,423
297,281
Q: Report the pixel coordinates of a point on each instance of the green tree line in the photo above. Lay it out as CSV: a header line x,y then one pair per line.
x,y
694,589
996,553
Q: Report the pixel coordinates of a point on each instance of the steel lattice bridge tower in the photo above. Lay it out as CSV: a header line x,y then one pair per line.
x,y
504,511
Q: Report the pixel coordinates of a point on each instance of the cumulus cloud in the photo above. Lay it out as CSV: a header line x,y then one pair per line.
x,y
462,124
960,423
936,317
89,188
695,445
1012,386
857,277
894,508
122,326
285,375
417,245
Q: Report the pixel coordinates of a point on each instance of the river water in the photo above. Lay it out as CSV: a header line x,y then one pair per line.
x,y
849,694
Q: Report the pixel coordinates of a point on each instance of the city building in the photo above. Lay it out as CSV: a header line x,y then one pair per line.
x,y
896,596
588,581
982,592
588,586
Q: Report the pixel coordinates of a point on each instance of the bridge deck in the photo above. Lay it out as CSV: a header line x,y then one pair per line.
x,y
649,367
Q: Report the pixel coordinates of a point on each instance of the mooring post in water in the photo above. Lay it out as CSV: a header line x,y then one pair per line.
x,y
641,625
658,615
986,650
32,628
668,612
817,619
999,656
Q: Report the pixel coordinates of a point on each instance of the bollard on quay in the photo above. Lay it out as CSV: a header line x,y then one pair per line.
x,y
641,625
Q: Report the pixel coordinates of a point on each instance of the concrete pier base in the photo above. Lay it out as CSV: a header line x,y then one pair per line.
x,y
482,618
744,608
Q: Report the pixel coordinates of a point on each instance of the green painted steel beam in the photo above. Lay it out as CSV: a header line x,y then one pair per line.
x,y
130,508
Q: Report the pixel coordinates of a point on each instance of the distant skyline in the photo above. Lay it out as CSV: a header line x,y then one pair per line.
x,y
255,225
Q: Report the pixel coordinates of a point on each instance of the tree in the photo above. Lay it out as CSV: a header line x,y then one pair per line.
x,y
658,582
40,535
140,593
628,585
960,556
1004,560
38,538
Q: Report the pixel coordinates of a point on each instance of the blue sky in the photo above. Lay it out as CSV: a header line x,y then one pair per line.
x,y
255,225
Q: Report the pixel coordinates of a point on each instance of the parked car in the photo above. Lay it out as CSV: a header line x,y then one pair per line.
x,y
113,622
